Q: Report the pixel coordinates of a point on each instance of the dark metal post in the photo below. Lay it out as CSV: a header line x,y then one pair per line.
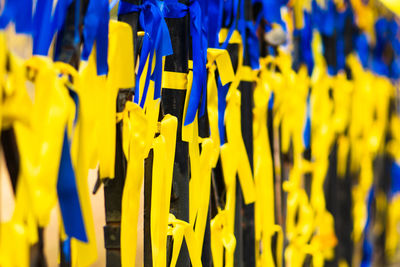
x,y
113,188
246,219
173,102
66,50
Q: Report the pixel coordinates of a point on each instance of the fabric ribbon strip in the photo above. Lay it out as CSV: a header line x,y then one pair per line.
x,y
179,229
263,178
164,156
156,42
174,9
96,29
135,130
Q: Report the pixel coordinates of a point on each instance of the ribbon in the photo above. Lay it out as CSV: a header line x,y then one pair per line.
x,y
68,196
156,42
225,69
222,238
67,190
303,53
214,11
392,5
20,232
264,217
163,165
174,9
230,8
120,75
222,226
241,163
45,25
96,29
179,229
19,12
307,126
367,246
134,133
271,11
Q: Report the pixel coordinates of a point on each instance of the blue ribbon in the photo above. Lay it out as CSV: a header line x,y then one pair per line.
x,y
19,12
68,196
305,50
199,90
324,19
156,39
222,92
215,23
340,24
386,34
307,126
271,11
253,45
198,93
45,25
366,260
362,49
96,28
231,10
66,247
271,101
395,179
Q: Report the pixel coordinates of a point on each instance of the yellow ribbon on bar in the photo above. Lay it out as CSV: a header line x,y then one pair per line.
x,y
264,209
120,75
393,5
217,59
179,229
174,80
164,156
135,125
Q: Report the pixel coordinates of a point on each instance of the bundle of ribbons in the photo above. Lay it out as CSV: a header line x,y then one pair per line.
x,y
264,132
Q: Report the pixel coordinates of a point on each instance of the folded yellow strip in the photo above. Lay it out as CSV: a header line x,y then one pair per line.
x,y
163,165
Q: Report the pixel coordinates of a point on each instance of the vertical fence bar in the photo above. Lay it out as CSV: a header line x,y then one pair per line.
x,y
113,188
173,102
69,52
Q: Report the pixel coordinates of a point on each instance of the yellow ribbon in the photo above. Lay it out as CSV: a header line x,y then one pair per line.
x,y
393,5
120,75
179,229
82,253
222,238
133,181
264,215
224,65
164,156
